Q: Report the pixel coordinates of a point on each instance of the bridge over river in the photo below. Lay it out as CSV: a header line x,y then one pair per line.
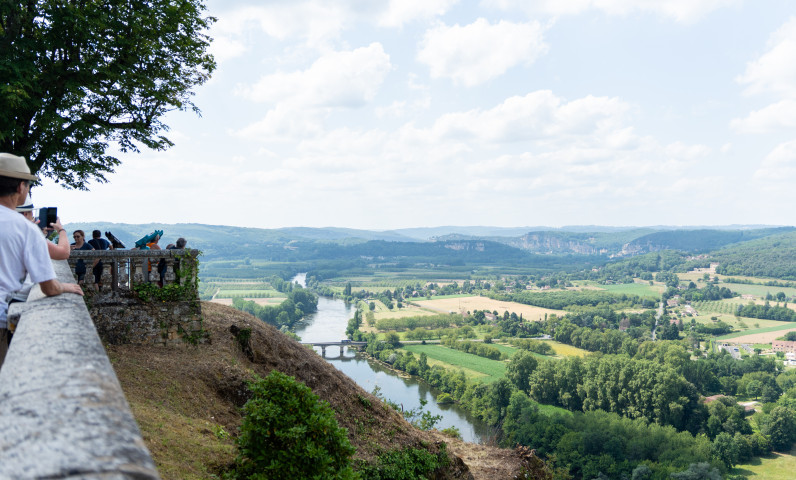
x,y
340,343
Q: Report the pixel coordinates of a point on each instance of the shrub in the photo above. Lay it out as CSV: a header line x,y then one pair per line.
x,y
406,464
289,433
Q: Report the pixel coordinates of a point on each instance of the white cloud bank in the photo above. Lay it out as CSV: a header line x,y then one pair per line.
x,y
473,54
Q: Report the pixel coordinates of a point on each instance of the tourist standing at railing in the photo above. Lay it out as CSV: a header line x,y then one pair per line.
x,y
80,244
23,249
181,242
99,243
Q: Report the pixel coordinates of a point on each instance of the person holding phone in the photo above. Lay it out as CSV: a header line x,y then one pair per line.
x,y
23,249
59,251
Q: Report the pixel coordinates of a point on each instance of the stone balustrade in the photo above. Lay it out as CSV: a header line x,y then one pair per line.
x,y
124,267
63,414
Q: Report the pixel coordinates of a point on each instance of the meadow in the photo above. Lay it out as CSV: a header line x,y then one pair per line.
x,y
777,466
641,289
759,290
475,367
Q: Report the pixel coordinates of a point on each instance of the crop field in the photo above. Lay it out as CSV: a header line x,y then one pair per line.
x,y
760,335
641,289
248,293
486,370
564,350
470,303
258,301
727,306
406,311
759,290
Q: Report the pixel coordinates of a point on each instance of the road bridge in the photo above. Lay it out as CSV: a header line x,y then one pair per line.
x,y
340,343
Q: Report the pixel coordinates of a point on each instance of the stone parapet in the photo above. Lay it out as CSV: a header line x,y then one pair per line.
x,y
64,414
123,268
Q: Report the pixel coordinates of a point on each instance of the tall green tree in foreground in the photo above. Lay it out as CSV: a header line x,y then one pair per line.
x,y
78,76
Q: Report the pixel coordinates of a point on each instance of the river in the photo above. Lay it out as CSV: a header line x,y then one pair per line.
x,y
329,324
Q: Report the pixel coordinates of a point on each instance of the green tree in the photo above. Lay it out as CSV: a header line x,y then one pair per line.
x,y
289,433
519,369
781,428
80,75
392,338
725,449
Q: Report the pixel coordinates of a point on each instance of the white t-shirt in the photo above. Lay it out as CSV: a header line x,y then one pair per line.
x,y
23,250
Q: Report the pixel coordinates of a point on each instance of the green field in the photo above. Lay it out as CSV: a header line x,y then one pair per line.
x,y
640,289
782,326
488,370
232,293
759,290
771,467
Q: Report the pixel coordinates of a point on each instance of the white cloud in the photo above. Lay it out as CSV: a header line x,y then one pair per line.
x,y
775,70
773,73
779,165
680,10
537,116
400,12
777,115
338,79
313,22
476,53
224,48
284,122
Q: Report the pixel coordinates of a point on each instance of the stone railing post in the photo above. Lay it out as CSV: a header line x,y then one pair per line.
x,y
63,414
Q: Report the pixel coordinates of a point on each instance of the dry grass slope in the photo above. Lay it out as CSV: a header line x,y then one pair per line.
x,y
186,400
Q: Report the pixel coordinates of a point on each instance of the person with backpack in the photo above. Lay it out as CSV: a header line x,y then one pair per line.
x,y
99,243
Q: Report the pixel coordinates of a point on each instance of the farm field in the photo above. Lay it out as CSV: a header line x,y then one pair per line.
x,y
742,323
476,367
564,350
470,303
237,292
761,335
258,301
759,290
641,289
561,350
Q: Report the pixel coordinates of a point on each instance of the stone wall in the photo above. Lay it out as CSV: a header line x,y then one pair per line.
x,y
64,414
122,318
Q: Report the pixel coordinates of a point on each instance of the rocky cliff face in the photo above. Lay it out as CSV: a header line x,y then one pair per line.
x,y
550,243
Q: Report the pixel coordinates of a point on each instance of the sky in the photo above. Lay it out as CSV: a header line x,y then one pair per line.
x,y
416,113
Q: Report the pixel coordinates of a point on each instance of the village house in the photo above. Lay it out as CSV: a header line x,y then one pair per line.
x,y
784,346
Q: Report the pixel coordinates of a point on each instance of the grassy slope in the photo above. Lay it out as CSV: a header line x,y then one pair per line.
x,y
186,399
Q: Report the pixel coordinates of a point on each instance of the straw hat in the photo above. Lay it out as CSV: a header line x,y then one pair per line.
x,y
15,167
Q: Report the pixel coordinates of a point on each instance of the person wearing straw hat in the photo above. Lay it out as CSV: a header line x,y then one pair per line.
x,y
23,249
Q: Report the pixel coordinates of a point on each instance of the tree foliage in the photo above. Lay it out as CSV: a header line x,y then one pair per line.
x,y
289,433
79,75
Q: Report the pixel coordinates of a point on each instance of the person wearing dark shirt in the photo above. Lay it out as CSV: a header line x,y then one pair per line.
x,y
98,243
80,244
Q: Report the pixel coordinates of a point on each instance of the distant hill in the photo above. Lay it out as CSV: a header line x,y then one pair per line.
x,y
772,256
460,245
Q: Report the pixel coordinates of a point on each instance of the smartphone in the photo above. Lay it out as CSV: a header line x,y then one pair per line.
x,y
47,215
